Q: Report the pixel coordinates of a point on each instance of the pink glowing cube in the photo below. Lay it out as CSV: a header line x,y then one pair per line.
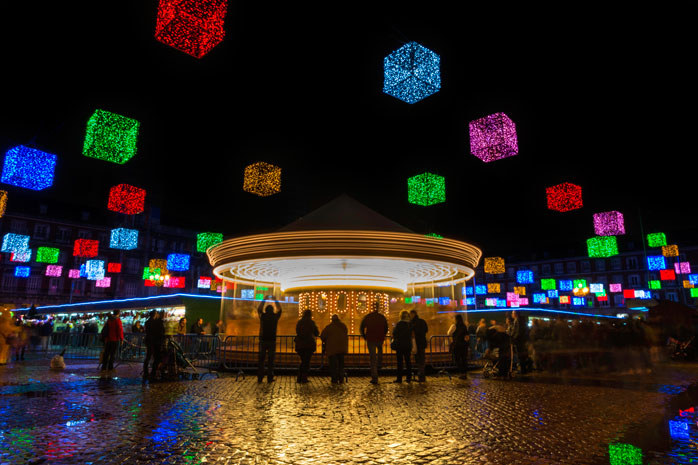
x,y
74,274
104,282
609,224
55,270
493,138
682,267
615,287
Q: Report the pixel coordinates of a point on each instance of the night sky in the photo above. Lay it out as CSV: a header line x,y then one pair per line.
x,y
600,98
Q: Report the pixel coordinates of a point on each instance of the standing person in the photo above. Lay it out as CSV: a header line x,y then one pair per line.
x,y
481,335
182,327
154,339
519,339
19,343
419,330
498,338
402,345
136,327
373,328
217,328
114,335
459,342
306,332
45,331
198,327
268,322
336,339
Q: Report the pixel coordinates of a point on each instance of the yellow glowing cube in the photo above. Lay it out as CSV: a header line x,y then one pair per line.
x,y
262,179
493,288
494,265
670,250
521,290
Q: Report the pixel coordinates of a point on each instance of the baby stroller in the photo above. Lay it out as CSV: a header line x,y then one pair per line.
x,y
176,365
492,368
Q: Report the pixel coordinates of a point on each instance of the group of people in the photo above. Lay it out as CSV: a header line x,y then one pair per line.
x,y
408,336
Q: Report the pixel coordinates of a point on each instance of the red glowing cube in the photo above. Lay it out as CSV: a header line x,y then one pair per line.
x,y
629,293
667,275
564,197
114,267
564,299
191,26
175,282
85,248
126,199
149,283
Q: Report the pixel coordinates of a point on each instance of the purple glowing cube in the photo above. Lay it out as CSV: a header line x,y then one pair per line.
x,y
609,224
682,267
493,138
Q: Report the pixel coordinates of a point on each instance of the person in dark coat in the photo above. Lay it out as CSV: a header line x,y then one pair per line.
x,y
498,338
519,339
402,345
198,327
154,340
373,328
306,332
459,343
419,330
268,321
336,339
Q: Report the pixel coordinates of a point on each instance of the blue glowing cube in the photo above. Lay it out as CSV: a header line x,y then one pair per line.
x,y
247,294
501,303
553,294
480,289
524,276
539,298
470,300
124,239
95,269
28,168
178,262
22,271
656,262
678,430
468,290
566,285
578,301
15,243
693,278
411,73
83,271
444,301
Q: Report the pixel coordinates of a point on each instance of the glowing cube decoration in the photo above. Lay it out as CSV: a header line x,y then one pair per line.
x,y
656,239
113,267
548,284
262,179
655,262
468,290
682,267
667,275
493,137
205,240
126,199
580,283
609,224
204,282
694,292
110,137
655,284
687,284
629,293
411,73
480,289
104,282
670,250
524,276
47,255
28,168
158,264
602,246
578,301
178,262
566,285
539,298
426,189
21,257
693,278
73,274
596,288
564,197
54,270
3,202
175,282
553,294
191,27
94,269
14,243
521,290
493,288
123,239
494,265
22,271
470,301
85,248
564,299
624,454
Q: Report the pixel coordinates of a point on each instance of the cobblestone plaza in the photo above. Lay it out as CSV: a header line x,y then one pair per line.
x,y
77,417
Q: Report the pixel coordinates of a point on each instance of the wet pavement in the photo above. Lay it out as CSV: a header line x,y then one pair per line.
x,y
78,417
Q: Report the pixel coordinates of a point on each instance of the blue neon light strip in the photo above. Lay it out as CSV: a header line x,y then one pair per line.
x,y
528,309
154,297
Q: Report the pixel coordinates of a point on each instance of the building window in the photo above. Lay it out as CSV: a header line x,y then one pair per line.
x,y
618,279
671,296
586,266
571,267
600,265
631,263
618,300
18,227
41,231
545,269
64,235
130,289
605,303
54,285
603,279
34,284
615,263
559,268
133,266
511,271
43,209
84,234
634,280
8,281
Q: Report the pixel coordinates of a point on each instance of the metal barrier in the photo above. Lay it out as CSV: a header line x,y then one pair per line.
x,y
242,352
76,345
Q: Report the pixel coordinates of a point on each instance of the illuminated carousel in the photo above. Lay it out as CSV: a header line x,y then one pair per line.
x,y
341,258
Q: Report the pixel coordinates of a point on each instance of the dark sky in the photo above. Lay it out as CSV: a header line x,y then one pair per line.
x,y
600,98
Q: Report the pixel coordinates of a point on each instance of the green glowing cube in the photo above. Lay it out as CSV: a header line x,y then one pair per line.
x,y
654,284
624,454
547,284
602,246
110,137
47,255
426,189
205,240
694,292
580,283
656,239
146,272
